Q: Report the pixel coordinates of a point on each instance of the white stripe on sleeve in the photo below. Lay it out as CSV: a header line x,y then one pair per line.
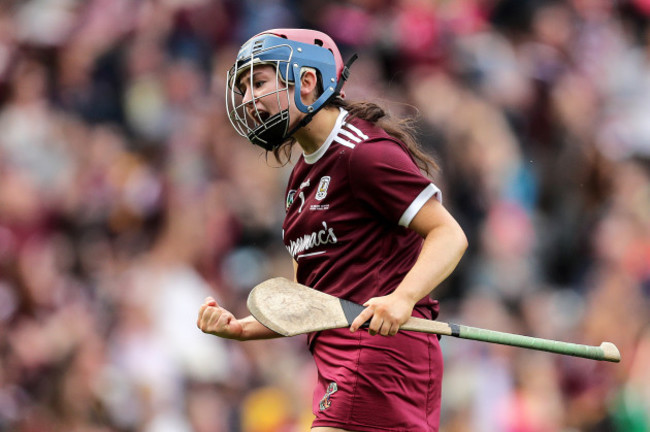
x,y
418,203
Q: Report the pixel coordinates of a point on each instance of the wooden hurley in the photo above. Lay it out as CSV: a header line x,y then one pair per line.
x,y
290,309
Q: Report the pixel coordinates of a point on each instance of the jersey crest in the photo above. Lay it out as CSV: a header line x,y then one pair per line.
x,y
290,197
326,401
322,188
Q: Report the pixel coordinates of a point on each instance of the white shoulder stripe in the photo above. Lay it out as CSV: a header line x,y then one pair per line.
x,y
340,140
357,130
350,135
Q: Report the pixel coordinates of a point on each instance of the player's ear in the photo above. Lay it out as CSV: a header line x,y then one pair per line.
x,y
308,83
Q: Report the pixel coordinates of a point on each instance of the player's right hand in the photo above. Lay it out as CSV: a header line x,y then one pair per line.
x,y
215,320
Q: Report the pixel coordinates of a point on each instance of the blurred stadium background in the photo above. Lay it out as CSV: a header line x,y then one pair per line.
x,y
126,198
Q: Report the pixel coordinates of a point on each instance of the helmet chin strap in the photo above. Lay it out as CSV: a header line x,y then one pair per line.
x,y
345,74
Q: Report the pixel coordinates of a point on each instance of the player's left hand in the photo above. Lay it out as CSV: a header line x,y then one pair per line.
x,y
386,314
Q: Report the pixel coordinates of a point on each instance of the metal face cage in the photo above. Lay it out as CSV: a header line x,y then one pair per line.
x,y
247,117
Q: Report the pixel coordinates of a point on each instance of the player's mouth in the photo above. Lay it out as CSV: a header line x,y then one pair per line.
x,y
258,116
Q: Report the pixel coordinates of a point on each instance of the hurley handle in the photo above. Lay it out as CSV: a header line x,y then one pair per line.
x,y
607,351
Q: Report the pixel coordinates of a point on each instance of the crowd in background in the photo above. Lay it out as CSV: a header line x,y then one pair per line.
x,y
126,198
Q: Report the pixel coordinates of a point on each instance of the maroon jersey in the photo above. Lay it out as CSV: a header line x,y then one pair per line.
x,y
348,208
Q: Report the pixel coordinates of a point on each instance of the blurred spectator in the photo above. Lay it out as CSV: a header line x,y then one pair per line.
x,y
126,198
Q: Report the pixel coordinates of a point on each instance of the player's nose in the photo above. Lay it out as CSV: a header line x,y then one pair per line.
x,y
248,96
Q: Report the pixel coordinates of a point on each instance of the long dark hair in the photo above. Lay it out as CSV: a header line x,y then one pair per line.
x,y
401,129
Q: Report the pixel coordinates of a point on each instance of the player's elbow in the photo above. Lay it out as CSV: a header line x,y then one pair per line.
x,y
455,240
451,238
460,240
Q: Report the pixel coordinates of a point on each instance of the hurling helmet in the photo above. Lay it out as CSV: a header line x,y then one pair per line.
x,y
289,51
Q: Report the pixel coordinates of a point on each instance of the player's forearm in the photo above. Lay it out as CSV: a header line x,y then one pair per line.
x,y
253,330
442,250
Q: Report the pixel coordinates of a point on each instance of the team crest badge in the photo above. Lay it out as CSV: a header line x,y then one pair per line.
x,y
326,402
322,188
290,197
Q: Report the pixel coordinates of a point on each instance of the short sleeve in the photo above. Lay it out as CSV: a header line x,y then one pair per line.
x,y
384,177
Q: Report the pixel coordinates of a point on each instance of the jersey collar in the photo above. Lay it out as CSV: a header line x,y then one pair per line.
x,y
314,157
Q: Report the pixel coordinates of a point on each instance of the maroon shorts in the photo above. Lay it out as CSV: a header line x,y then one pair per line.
x,y
377,383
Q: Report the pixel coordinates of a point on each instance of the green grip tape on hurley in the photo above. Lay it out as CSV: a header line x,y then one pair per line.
x,y
567,348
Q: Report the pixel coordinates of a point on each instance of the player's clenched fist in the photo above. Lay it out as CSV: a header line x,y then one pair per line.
x,y
214,319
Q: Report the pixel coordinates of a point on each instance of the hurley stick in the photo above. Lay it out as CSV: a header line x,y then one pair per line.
x,y
290,309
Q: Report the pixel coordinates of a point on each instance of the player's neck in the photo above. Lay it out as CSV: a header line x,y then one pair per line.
x,y
314,134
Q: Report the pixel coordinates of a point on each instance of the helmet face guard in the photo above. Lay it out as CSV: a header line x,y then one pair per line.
x,y
288,57
261,131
